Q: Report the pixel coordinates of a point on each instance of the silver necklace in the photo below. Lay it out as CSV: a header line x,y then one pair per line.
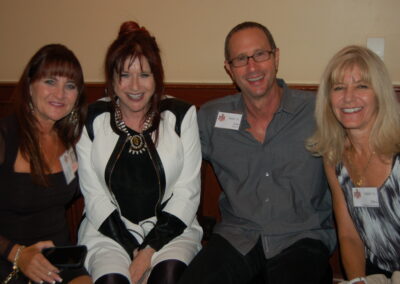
x,y
137,144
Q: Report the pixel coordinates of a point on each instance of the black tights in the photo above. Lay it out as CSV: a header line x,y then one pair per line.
x,y
112,278
165,272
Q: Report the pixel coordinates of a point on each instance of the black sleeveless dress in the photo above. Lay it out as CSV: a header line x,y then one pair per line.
x,y
28,212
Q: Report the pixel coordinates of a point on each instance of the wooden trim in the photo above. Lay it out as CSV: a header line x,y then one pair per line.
x,y
196,94
191,92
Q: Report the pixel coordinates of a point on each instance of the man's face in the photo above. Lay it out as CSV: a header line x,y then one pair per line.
x,y
255,79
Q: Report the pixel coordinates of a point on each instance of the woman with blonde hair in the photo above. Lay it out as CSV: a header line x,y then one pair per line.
x,y
358,126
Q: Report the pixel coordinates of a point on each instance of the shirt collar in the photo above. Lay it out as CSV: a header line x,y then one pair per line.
x,y
289,103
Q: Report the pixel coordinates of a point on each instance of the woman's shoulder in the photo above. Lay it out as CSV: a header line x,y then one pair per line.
x,y
98,107
8,125
95,110
174,105
8,121
178,109
8,134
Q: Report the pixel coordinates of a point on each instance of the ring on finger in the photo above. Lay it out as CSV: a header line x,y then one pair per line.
x,y
49,273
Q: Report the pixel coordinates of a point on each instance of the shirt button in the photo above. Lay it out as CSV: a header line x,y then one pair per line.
x,y
267,174
266,199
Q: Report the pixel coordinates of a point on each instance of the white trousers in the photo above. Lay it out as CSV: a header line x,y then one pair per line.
x,y
106,256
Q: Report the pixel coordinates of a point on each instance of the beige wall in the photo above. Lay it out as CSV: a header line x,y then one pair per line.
x,y
191,32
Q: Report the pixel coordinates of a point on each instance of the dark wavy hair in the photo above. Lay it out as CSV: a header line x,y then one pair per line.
x,y
134,42
50,60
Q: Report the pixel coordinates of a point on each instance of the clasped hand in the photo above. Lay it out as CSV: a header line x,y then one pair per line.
x,y
141,264
35,266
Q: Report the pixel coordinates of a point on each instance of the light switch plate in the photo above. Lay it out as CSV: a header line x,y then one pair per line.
x,y
377,45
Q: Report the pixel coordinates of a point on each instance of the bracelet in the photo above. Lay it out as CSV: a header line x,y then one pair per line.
x,y
15,270
358,279
17,254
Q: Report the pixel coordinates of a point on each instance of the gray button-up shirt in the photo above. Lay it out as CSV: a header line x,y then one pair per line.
x,y
275,190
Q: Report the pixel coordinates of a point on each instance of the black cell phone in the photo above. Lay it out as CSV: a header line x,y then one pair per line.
x,y
66,256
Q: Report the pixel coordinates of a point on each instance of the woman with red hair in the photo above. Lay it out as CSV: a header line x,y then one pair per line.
x,y
140,164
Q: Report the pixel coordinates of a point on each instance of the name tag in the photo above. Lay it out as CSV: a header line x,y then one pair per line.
x,y
69,164
365,197
228,120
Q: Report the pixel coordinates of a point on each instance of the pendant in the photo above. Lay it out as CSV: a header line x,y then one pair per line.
x,y
137,144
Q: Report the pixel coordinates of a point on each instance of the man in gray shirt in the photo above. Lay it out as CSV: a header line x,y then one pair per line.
x,y
275,206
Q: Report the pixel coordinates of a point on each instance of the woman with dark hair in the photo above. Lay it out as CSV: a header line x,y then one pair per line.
x,y
358,126
36,185
140,160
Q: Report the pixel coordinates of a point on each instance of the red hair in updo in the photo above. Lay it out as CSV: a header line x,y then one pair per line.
x,y
134,42
129,27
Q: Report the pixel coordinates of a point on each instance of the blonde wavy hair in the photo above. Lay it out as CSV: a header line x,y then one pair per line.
x,y
330,137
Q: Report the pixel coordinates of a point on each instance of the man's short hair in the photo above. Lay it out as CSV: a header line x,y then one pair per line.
x,y
247,25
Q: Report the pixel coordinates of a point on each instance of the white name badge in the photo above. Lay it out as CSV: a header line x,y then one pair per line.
x,y
228,120
365,197
69,164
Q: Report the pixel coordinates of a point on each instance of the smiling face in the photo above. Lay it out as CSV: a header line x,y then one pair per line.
x,y
134,87
353,101
255,79
53,98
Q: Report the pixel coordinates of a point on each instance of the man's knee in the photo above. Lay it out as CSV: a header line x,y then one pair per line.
x,y
219,262
306,261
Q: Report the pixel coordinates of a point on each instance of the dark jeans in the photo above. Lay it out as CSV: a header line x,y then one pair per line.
x,y
306,261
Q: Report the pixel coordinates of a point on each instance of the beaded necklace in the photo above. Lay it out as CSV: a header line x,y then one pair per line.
x,y
138,145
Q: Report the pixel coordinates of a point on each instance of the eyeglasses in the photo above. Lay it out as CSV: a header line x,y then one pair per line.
x,y
258,56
